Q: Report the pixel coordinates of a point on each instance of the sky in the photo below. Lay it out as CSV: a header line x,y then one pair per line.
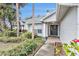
x,y
40,9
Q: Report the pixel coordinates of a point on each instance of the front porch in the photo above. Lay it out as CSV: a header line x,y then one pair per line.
x,y
50,29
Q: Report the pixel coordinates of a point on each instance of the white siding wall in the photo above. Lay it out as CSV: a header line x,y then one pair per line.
x,y
25,26
78,23
68,26
36,26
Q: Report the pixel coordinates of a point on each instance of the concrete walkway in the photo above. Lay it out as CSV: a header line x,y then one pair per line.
x,y
48,48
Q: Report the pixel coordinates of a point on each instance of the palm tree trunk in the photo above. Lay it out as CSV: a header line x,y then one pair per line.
x,y
11,26
17,16
33,21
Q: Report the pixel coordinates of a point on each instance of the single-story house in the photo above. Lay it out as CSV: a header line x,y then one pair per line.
x,y
43,25
50,25
62,23
37,25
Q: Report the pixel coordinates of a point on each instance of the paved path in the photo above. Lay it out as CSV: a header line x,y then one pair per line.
x,y
48,48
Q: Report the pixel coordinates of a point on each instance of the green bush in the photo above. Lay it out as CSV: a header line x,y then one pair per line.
x,y
1,34
27,35
10,34
26,48
39,41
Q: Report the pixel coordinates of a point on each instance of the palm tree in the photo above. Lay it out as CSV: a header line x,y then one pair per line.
x,y
18,5
33,21
17,17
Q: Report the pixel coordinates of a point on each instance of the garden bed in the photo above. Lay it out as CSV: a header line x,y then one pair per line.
x,y
24,48
10,45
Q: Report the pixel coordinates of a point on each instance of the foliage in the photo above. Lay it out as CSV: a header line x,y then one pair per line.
x,y
11,39
1,34
58,49
10,34
27,35
39,40
71,49
6,11
25,48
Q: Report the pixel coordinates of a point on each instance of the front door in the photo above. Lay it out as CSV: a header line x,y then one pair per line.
x,y
53,29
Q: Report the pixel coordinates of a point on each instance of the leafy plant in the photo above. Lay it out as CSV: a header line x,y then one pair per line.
x,y
10,34
27,35
26,47
71,48
1,34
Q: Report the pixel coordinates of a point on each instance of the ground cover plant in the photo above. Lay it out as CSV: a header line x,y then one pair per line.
x,y
19,46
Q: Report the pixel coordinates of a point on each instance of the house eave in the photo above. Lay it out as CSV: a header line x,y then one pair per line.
x,y
47,16
61,11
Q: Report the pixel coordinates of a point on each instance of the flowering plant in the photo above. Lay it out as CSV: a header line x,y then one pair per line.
x,y
72,49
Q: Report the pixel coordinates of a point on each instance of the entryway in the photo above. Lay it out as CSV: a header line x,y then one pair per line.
x,y
53,30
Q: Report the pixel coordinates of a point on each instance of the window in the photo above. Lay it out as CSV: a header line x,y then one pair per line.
x,y
39,31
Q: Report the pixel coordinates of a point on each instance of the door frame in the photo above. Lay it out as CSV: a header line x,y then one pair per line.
x,y
49,30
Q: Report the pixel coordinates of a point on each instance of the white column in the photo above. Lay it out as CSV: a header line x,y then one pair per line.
x,y
45,30
58,30
78,22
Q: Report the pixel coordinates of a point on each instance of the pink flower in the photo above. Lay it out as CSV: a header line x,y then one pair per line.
x,y
76,40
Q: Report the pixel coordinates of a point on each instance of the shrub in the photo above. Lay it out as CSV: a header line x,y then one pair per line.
x,y
39,40
1,34
25,48
10,34
27,35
